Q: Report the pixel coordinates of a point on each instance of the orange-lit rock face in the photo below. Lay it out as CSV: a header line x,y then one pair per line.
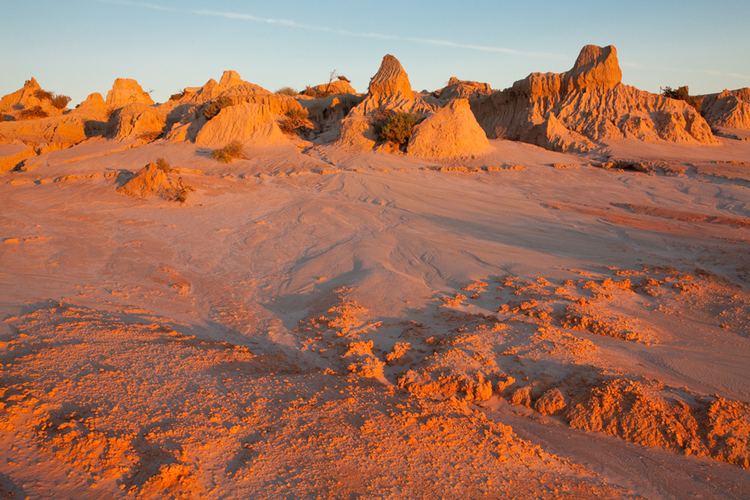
x,y
390,82
126,91
156,179
730,109
450,132
29,102
246,123
334,87
596,67
587,107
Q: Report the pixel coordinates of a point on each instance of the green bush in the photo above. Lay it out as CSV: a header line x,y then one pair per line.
x,y
396,127
287,91
681,94
228,153
212,108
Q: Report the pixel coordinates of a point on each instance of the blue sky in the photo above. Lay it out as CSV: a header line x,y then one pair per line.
x,y
76,47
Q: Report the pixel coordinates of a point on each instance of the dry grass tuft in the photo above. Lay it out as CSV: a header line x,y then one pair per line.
x,y
229,153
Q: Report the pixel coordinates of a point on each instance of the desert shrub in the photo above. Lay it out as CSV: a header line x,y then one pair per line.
x,y
163,165
313,92
681,94
228,153
60,101
30,113
43,95
294,120
287,91
212,108
396,127
181,191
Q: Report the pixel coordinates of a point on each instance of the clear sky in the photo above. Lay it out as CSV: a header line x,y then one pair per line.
x,y
76,47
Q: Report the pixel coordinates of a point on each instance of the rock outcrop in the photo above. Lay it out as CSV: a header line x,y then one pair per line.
x,y
93,105
327,112
335,87
450,132
389,91
728,109
137,121
248,123
58,131
29,102
156,179
231,83
230,110
47,134
587,107
13,155
126,91
462,89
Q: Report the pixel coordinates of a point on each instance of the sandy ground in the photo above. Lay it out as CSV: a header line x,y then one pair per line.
x,y
319,322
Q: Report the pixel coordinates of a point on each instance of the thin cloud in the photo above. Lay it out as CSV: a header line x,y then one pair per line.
x,y
710,72
291,24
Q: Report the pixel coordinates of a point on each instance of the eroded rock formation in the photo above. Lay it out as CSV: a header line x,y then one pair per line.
x,y
446,132
587,107
450,132
729,109
126,91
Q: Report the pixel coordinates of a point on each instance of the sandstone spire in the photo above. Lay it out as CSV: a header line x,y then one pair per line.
x,y
391,81
126,91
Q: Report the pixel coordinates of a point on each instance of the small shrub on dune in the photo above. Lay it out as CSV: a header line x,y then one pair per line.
x,y
228,153
213,108
680,94
178,191
295,120
181,192
313,92
287,91
60,101
43,95
164,165
31,113
396,127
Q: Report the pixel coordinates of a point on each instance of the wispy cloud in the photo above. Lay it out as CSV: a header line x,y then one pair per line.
x,y
698,71
291,24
